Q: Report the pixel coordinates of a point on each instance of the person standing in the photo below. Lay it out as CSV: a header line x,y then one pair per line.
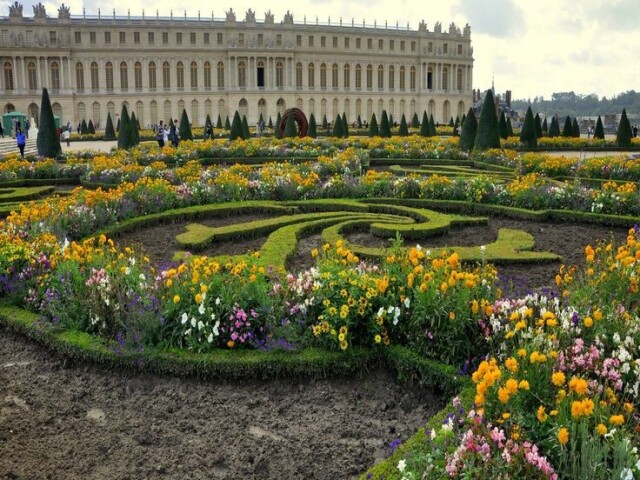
x,y
21,141
160,135
66,136
1,130
27,126
174,133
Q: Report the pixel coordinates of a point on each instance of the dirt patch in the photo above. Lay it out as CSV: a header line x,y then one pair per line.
x,y
69,422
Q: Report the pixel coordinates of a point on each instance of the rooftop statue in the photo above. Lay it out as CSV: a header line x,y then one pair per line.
x,y
268,17
437,28
250,16
453,29
15,10
231,15
422,27
288,17
64,12
467,30
39,11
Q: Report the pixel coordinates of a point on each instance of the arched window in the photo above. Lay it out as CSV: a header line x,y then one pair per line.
x,y
111,109
82,111
208,108
222,110
242,74
412,78
137,77
34,111
369,109
347,108
392,77
96,113
281,105
392,109
432,108
140,112
124,76
323,76
298,75
358,77
194,76
180,76
359,108
221,75
312,106
445,79
334,76
262,108
153,82
153,110
323,108
402,79
459,80
243,107
166,78
446,111
31,76
108,75
430,78
95,78
195,113
380,108
369,77
180,109
55,77
347,77
79,77
167,110
279,74
461,111
207,76
8,76
336,109
380,77
57,110
311,71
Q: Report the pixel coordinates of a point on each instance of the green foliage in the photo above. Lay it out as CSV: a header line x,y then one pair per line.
x,y
385,129
509,128
91,128
270,122
599,130
528,136
185,127
118,125
554,129
538,123
134,129
425,131
236,128
487,135
624,134
432,126
207,123
126,138
338,131
359,122
468,134
312,126
290,129
109,132
227,124
451,123
245,128
415,122
567,131
84,129
219,122
277,127
404,129
260,118
545,126
502,126
464,117
345,126
325,124
373,127
575,128
391,122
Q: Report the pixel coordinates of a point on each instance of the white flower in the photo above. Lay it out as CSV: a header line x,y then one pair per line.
x,y
218,301
193,322
64,245
215,328
626,474
187,332
127,271
200,325
184,318
418,247
433,434
381,312
142,277
210,338
402,464
407,302
483,248
201,309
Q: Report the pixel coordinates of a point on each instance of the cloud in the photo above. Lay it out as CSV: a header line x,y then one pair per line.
x,y
497,18
620,14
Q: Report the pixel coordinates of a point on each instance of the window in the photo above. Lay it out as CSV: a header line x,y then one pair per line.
x,y
78,37
459,79
380,44
108,74
369,43
323,76
194,76
137,76
358,42
279,40
369,77
334,76
207,75
219,38
31,76
180,76
136,38
445,78
279,74
178,38
459,49
323,41
166,76
445,48
152,77
312,76
206,39
260,39
358,77
346,42
429,78
122,37
220,74
311,40
402,79
241,39
124,76
8,76
260,74
79,77
107,38
298,40
298,75
430,47
95,79
402,43
413,46
242,74
192,38
392,79
165,38
151,38
380,77
53,39
392,44
55,77
335,42
92,38
347,77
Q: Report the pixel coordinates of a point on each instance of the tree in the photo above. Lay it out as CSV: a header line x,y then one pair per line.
x,y
185,129
385,130
404,129
391,122
567,131
575,128
270,122
338,131
425,131
219,122
624,134
359,121
261,118
227,124
509,128
487,135
48,141
432,126
134,129
207,123
91,128
290,129
463,119
502,126
109,132
451,123
554,128
236,128
325,124
277,127
538,123
84,129
245,128
345,125
373,127
545,126
468,134
126,138
415,122
599,130
312,126
118,126
528,135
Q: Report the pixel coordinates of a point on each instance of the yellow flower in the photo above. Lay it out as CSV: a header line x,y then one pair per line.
x,y
512,386
198,298
601,429
558,379
377,338
522,353
563,436
176,298
588,322
541,414
511,364
616,419
503,395
523,385
506,415
452,316
314,253
578,385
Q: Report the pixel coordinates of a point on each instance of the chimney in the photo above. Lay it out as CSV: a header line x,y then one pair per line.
x,y
508,98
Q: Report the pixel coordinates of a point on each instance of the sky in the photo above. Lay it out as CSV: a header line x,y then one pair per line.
x,y
531,47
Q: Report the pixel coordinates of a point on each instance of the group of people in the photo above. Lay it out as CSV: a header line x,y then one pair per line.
x,y
165,134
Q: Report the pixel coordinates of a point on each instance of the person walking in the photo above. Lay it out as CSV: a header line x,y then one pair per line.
x,y
66,136
21,141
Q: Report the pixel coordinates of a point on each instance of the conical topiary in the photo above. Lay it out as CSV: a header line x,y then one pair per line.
x,y
48,141
468,134
502,126
509,128
185,127
424,126
463,119
432,126
126,138
227,124
345,125
374,131
624,134
451,123
270,122
575,128
84,129
391,122
312,126
487,135
134,129
236,128
325,123
359,122
277,127
290,129
415,121
545,126
219,122
109,132
91,128
207,123
554,128
338,131
567,131
245,128
385,130
538,124
599,130
118,126
404,129
528,136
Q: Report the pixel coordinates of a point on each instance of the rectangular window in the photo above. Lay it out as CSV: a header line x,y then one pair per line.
x,y
136,37
151,38
402,45
323,41
392,44
52,37
206,40
220,38
380,44
78,37
122,37
192,38
335,42
92,38
279,40
241,39
430,47
369,43
179,38
459,49
311,40
346,42
445,48
298,40
107,38
260,39
165,38
413,46
358,42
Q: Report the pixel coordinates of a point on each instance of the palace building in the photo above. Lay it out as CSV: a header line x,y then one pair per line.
x,y
158,66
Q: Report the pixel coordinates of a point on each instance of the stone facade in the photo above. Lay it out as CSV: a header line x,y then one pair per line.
x,y
91,65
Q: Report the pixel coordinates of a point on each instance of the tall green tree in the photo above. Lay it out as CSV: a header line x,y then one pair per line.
x,y
134,128
468,133
359,121
567,131
404,129
270,122
185,128
624,133
391,122
415,122
219,122
599,130
84,129
325,123
227,124
236,128
528,136
290,129
109,131
385,129
538,123
207,123
126,138
425,131
48,141
509,128
432,126
245,128
91,128
487,135
451,123
575,128
345,125
554,128
338,131
312,126
374,131
502,126
277,127
545,126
